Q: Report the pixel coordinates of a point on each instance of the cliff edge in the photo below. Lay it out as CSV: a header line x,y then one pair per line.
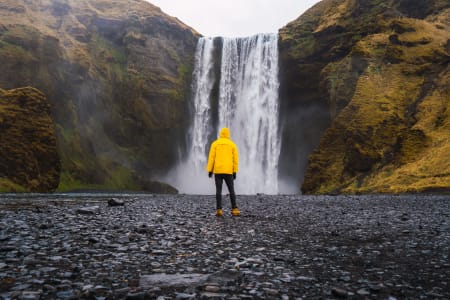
x,y
378,71
117,75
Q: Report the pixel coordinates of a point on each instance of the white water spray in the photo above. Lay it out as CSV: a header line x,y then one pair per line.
x,y
248,105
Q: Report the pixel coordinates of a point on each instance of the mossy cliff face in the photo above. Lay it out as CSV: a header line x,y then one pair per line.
x,y
117,74
29,159
379,72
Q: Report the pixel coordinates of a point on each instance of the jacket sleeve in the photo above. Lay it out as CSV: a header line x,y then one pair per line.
x,y
235,159
211,158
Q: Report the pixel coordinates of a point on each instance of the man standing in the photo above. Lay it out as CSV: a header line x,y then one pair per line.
x,y
223,162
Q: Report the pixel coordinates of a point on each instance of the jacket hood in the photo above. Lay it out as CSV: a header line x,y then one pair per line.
x,y
225,133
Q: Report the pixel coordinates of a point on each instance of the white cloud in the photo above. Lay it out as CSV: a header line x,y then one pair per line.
x,y
234,18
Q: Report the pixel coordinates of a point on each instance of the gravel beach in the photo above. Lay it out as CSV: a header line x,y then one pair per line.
x,y
144,246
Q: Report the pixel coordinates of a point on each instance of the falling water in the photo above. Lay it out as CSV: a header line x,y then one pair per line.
x,y
247,104
202,87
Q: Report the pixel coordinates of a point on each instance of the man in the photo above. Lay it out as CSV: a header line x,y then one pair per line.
x,y
223,162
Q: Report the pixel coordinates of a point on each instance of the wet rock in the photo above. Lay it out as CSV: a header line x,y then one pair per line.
x,y
4,238
363,292
225,277
184,296
338,292
30,296
212,288
116,202
168,280
173,246
136,296
210,295
90,210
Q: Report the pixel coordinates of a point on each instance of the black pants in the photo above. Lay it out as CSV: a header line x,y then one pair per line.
x,y
230,184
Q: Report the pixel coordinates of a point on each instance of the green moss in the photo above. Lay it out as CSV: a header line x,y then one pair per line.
x,y
303,46
110,59
10,51
173,54
117,178
121,178
7,186
181,88
69,183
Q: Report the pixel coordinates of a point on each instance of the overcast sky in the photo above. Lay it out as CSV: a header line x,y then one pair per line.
x,y
234,18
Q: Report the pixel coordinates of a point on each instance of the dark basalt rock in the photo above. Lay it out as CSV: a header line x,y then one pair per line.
x,y
116,202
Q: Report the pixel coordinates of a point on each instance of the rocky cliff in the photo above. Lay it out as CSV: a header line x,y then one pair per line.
x,y
29,159
372,78
117,75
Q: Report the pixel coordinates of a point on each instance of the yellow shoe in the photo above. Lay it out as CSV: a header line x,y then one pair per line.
x,y
235,212
219,212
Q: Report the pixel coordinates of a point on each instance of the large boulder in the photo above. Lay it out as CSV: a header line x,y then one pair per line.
x,y
29,159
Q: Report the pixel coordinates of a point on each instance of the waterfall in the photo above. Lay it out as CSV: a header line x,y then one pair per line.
x,y
202,87
247,103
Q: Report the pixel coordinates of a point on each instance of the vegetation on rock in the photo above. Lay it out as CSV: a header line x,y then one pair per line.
x,y
364,89
29,158
117,75
380,69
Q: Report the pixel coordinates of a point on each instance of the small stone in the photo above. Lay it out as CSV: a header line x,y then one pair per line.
x,y
184,296
363,292
4,238
30,296
212,288
169,280
123,239
69,294
210,295
338,292
305,278
135,296
7,248
48,287
20,287
93,240
115,202
375,287
271,292
89,210
87,287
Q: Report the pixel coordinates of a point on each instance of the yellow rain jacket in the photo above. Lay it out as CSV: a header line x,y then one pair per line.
x,y
223,155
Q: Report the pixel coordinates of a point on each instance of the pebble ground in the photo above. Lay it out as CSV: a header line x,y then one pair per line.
x,y
76,246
